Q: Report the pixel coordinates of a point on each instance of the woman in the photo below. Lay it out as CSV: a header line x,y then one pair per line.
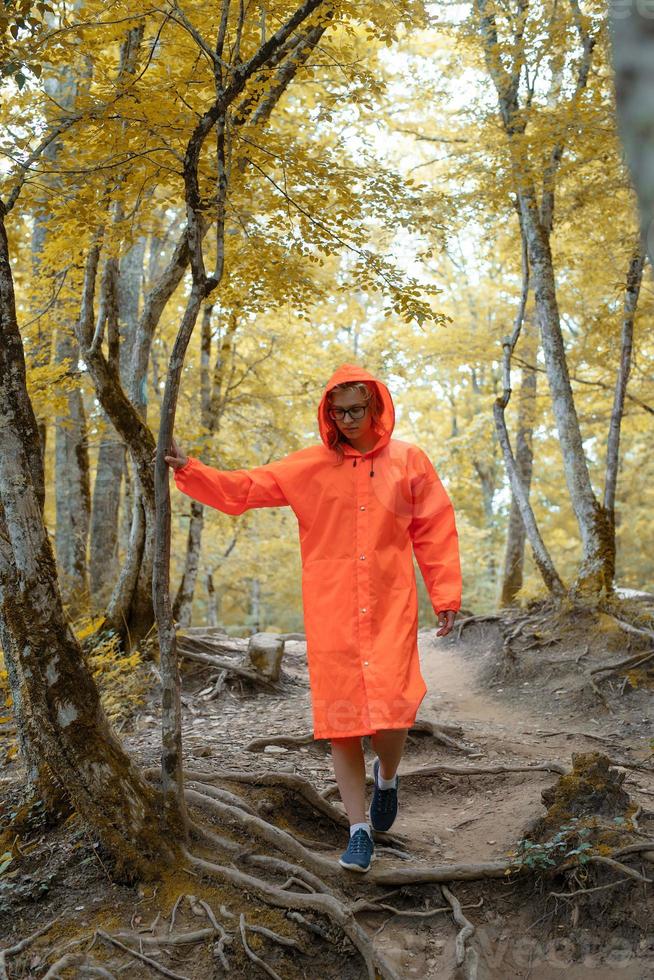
x,y
362,500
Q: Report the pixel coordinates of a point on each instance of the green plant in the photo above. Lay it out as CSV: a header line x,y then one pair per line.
x,y
542,854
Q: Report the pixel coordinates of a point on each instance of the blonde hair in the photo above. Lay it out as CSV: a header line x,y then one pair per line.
x,y
371,396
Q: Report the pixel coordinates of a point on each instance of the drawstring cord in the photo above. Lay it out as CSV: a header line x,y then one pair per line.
x,y
372,464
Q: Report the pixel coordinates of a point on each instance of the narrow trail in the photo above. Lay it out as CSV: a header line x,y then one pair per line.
x,y
450,817
521,931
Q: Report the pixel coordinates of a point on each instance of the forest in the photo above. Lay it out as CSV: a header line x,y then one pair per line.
x,y
205,211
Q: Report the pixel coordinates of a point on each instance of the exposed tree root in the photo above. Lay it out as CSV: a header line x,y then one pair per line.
x,y
308,879
434,728
316,845
278,865
22,945
211,660
600,694
203,641
634,630
159,967
440,732
634,661
461,625
213,839
325,904
579,892
282,940
466,955
527,630
315,896
221,794
591,735
304,788
217,685
300,881
642,848
291,781
74,961
379,905
619,866
497,869
442,872
264,831
439,769
288,741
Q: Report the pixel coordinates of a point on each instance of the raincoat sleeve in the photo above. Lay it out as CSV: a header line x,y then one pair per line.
x,y
434,535
231,491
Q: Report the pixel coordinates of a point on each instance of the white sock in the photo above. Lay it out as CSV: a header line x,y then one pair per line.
x,y
360,826
386,783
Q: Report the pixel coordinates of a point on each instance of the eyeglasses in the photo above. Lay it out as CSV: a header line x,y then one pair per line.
x,y
355,412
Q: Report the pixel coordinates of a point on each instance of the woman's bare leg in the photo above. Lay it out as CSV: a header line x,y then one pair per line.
x,y
350,772
388,743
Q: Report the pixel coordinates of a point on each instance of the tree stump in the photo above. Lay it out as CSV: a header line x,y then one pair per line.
x,y
265,652
592,789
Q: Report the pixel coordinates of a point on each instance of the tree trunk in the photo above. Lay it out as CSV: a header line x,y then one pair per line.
x,y
72,490
183,605
213,602
594,575
516,535
118,614
594,578
632,291
212,392
486,475
61,717
255,605
632,44
130,610
111,463
213,595
212,407
265,653
103,563
519,492
40,780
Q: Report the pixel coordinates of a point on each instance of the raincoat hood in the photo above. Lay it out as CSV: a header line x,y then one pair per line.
x,y
352,372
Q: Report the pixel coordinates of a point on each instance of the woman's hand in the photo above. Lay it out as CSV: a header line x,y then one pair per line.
x,y
446,622
177,457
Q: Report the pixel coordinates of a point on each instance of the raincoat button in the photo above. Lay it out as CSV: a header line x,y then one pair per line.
x,y
364,610
365,663
362,507
362,557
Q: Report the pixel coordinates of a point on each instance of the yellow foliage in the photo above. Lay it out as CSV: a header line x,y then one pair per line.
x,y
121,678
372,219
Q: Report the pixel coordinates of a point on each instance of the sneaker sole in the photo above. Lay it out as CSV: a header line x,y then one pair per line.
x,y
356,867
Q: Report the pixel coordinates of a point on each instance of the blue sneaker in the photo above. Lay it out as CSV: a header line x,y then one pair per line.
x,y
383,808
360,852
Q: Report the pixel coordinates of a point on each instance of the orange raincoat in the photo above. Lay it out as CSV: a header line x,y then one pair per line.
x,y
358,521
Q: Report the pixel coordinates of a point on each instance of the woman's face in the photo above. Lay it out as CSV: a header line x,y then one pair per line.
x,y
352,428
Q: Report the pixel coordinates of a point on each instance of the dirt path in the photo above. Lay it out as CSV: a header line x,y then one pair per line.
x,y
443,819
481,818
450,818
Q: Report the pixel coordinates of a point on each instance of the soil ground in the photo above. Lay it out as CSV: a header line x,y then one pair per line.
x,y
538,707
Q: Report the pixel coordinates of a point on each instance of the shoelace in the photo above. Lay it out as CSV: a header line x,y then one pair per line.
x,y
358,841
